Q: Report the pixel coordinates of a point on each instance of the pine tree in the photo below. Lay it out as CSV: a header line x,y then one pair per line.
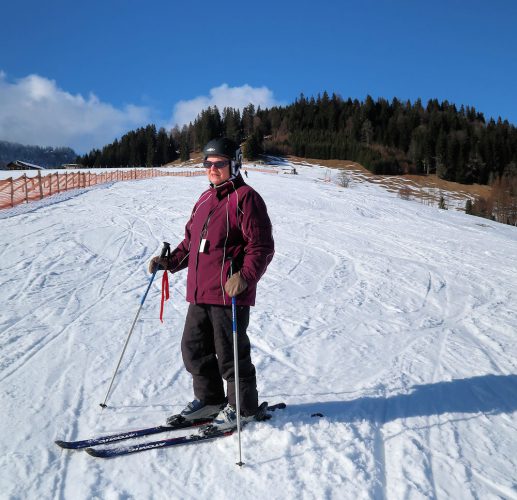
x,y
150,145
366,132
232,124
441,155
252,148
248,113
184,144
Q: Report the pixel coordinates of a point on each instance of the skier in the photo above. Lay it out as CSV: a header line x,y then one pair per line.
x,y
227,247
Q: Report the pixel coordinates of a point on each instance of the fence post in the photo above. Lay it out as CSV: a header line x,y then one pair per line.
x,y
26,190
40,187
50,185
66,181
12,192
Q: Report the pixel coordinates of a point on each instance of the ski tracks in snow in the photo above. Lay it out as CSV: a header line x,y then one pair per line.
x,y
382,315
419,296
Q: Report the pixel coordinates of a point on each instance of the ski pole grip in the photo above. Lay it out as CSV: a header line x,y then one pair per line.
x,y
165,250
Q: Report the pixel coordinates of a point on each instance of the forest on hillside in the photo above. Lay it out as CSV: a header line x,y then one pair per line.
x,y
42,156
387,137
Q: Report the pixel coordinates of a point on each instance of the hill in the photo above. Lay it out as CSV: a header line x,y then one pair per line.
x,y
387,137
387,327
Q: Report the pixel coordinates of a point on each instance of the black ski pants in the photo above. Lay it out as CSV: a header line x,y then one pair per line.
x,y
207,349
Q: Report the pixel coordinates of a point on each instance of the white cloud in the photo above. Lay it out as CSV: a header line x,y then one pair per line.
x,y
34,110
222,96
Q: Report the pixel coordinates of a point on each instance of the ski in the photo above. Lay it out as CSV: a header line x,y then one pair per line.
x,y
162,443
111,438
166,443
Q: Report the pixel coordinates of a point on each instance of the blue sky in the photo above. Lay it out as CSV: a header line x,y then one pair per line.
x,y
83,73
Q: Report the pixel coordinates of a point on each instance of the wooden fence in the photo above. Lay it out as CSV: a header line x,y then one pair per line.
x,y
24,189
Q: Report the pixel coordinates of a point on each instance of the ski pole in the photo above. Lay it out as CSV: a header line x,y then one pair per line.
x,y
240,463
165,251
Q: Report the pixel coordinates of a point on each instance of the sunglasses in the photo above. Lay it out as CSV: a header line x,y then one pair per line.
x,y
216,164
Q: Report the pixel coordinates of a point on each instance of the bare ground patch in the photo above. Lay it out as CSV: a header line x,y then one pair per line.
x,y
427,189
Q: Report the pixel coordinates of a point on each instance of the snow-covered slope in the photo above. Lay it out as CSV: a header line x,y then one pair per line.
x,y
394,321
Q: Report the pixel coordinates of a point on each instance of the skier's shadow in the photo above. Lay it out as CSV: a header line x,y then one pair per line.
x,y
487,394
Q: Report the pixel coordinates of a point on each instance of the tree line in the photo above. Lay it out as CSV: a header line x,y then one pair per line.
x,y
150,147
142,147
42,156
387,137
395,137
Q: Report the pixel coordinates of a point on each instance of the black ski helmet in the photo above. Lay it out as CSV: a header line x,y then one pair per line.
x,y
223,146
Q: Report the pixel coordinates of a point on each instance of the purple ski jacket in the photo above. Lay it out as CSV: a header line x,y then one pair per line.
x,y
229,222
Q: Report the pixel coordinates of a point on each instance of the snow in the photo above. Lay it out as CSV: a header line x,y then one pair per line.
x,y
393,320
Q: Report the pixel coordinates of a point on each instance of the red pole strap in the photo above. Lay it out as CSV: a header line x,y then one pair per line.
x,y
165,292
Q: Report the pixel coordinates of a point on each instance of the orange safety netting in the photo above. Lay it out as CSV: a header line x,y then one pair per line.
x,y
258,169
24,189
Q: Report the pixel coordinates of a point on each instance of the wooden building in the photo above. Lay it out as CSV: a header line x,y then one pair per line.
x,y
22,165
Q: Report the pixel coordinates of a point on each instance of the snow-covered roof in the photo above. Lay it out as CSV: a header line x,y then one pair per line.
x,y
20,163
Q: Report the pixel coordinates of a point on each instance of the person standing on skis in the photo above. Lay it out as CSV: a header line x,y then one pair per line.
x,y
227,247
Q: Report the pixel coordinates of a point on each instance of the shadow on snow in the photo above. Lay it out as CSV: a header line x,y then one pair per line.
x,y
487,394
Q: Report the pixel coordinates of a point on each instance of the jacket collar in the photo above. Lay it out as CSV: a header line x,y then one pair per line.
x,y
222,190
